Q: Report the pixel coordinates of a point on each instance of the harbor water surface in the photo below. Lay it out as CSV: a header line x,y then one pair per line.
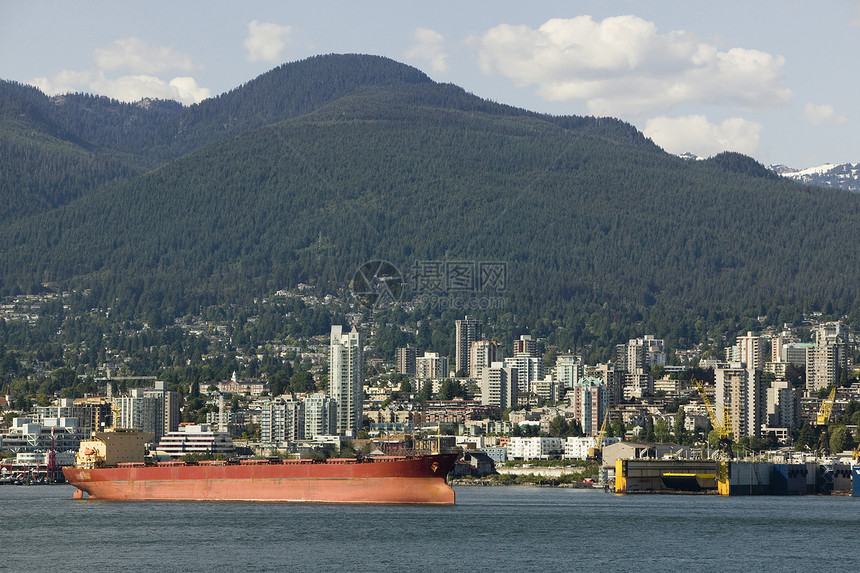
x,y
489,529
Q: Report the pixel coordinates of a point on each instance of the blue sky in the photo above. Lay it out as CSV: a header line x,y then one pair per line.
x,y
776,80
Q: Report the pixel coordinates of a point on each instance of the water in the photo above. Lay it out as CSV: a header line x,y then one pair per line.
x,y
489,529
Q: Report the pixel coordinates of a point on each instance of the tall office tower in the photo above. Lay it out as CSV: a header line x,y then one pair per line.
x,y
345,380
590,402
482,355
740,391
499,386
406,356
466,332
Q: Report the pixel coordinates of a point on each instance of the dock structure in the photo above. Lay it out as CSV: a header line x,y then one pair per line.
x,y
733,478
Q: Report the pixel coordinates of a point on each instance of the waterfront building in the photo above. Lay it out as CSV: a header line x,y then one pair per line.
x,y
466,331
27,435
536,448
578,447
282,420
345,379
195,439
167,408
320,415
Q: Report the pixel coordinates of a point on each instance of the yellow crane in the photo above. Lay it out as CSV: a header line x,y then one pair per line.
x,y
722,426
826,408
596,451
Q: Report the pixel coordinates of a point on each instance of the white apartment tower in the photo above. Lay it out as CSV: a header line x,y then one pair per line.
x,y
431,365
499,386
483,353
739,390
345,380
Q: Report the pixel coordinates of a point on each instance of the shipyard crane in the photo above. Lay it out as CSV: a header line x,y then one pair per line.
x,y
596,451
722,426
823,417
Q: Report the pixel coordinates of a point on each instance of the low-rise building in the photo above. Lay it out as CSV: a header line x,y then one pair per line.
x,y
195,439
537,448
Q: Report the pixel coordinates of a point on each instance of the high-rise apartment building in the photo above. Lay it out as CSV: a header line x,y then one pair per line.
x,y
168,408
482,355
320,415
639,355
139,412
525,345
739,390
406,356
590,402
282,420
431,365
751,350
529,369
499,386
345,379
568,369
467,331
826,360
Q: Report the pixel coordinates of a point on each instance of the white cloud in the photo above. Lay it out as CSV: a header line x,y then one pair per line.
x,y
429,46
145,64
266,41
623,66
136,56
694,133
66,81
822,114
135,88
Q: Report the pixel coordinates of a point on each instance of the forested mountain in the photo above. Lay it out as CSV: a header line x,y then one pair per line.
x,y
312,169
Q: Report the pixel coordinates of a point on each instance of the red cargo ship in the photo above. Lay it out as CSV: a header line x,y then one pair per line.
x,y
402,479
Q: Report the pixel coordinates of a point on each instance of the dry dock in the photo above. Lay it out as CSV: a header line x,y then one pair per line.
x,y
733,478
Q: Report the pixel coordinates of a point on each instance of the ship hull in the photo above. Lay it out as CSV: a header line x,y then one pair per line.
x,y
413,480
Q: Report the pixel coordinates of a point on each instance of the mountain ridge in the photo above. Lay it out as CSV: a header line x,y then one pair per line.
x,y
599,228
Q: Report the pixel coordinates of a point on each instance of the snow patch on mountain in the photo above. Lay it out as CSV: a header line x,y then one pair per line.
x,y
843,176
